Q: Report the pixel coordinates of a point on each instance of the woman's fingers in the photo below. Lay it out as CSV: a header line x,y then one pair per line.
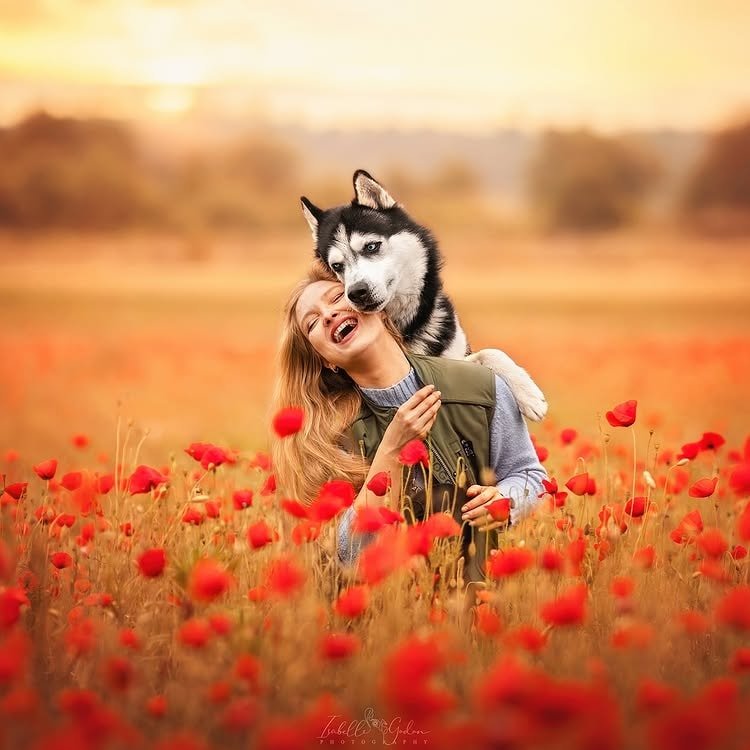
x,y
485,494
428,403
417,398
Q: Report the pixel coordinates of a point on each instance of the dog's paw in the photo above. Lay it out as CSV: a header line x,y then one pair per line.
x,y
528,395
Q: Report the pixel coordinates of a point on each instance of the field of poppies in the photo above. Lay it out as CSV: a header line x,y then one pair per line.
x,y
159,589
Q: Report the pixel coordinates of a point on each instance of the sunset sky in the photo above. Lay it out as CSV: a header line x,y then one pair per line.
x,y
466,65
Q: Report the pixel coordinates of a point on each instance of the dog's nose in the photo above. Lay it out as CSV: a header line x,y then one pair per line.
x,y
358,293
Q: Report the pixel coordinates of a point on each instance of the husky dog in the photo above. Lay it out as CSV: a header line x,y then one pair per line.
x,y
387,261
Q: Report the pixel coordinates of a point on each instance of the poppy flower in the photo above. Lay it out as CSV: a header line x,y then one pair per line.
x,y
144,479
260,534
242,499
636,506
11,601
129,639
294,507
739,479
734,608
738,552
622,415
578,484
193,516
712,543
740,661
551,559
151,562
337,646
195,633
380,483
567,609
499,510
331,499
156,706
622,587
388,552
414,452
104,483
743,524
288,421
568,435
352,602
61,560
510,561
711,441
46,469
247,668
284,576
486,620
690,526
208,580
703,487
208,454
269,485
526,637
367,520
220,623
442,526
16,490
305,531
689,451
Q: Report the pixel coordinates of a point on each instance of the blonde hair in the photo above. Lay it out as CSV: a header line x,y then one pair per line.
x,y
331,402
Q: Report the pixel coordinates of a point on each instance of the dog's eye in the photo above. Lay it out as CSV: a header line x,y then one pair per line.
x,y
337,267
371,247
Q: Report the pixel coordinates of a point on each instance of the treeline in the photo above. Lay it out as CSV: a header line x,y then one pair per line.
x,y
95,174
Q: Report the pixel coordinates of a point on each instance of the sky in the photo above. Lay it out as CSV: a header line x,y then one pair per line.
x,y
469,66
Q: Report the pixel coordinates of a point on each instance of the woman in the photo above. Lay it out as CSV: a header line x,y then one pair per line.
x,y
365,397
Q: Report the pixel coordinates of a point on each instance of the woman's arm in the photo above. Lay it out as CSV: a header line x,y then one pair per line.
x,y
513,458
413,419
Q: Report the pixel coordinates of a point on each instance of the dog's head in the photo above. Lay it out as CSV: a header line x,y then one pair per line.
x,y
372,245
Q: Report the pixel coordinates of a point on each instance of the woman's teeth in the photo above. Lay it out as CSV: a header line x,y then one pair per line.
x,y
338,333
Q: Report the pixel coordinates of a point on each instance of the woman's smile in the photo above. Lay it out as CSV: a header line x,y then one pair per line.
x,y
345,330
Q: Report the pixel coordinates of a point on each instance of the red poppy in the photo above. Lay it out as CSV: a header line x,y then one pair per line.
x,y
208,580
739,479
486,620
653,695
129,639
367,520
288,421
11,601
510,561
622,587
332,498
247,668
689,451
305,531
269,485
193,516
387,553
568,435
104,483
743,524
578,484
703,487
220,623
526,637
46,469
740,661
414,452
712,543
690,526
734,608
568,609
442,526
551,559
144,479
151,562
336,646
380,483
260,534
242,499
284,576
61,560
156,706
711,441
738,552
499,510
16,490
294,507
636,506
194,632
623,415
352,602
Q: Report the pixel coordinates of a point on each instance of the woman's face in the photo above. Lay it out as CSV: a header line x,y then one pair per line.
x,y
336,331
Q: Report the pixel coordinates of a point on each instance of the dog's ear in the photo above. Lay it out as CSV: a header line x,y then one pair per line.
x,y
312,214
369,192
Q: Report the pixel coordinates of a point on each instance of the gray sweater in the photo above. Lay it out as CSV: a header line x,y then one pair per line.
x,y
512,456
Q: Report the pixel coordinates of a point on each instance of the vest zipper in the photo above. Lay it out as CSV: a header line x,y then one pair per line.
x,y
443,463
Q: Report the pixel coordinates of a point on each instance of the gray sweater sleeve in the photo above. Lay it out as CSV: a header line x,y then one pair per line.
x,y
512,456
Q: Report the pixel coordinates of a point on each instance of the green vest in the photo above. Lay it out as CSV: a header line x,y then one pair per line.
x,y
461,429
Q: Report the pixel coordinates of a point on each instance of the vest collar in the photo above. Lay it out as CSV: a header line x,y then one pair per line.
x,y
424,375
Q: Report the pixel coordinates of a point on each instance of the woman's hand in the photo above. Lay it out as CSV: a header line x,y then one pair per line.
x,y
413,419
475,510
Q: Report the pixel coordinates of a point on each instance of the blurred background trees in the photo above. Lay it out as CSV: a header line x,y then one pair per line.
x,y
89,174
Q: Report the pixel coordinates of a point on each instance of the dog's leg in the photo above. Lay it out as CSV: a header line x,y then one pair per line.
x,y
530,398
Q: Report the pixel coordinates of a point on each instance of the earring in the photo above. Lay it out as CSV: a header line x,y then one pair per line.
x,y
333,368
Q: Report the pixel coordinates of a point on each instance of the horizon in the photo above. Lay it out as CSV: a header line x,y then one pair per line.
x,y
495,67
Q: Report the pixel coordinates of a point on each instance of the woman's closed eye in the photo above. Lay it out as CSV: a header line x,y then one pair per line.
x,y
315,319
